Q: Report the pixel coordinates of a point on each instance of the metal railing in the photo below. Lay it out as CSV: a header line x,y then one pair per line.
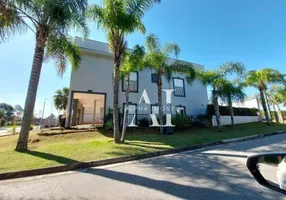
x,y
179,91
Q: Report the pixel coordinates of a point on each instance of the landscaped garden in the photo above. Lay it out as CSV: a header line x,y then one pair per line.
x,y
57,148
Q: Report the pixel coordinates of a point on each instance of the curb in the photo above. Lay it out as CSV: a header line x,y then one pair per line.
x,y
97,163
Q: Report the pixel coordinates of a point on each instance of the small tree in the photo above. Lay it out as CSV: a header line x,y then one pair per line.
x,y
8,111
2,114
216,80
132,62
230,92
157,59
261,79
61,99
119,18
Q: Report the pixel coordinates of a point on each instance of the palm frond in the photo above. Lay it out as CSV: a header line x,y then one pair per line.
x,y
11,21
152,43
137,8
63,48
171,48
232,67
185,68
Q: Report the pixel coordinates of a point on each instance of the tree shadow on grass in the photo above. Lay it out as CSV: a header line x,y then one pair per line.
x,y
52,157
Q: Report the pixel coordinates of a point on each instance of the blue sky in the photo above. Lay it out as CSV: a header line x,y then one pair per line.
x,y
209,32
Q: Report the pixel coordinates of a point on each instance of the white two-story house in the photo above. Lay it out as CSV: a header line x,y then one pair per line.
x,y
91,89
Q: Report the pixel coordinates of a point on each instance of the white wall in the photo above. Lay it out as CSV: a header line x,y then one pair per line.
x,y
225,120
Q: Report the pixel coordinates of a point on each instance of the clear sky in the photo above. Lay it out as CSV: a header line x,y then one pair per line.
x,y
209,32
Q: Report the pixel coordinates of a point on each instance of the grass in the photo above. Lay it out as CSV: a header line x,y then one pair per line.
x,y
53,150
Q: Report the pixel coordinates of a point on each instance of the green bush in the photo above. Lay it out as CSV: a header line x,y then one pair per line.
x,y
108,125
144,122
31,127
181,122
224,110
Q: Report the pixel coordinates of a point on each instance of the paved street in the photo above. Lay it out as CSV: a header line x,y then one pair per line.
x,y
213,173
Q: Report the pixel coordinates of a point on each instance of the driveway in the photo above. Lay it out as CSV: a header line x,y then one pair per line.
x,y
213,173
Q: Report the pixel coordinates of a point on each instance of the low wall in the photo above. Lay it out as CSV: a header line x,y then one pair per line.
x,y
225,120
48,123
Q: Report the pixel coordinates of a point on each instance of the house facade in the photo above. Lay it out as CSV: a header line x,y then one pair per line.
x,y
91,89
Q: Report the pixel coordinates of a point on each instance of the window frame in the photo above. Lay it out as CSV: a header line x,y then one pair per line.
x,y
184,109
123,84
154,74
184,87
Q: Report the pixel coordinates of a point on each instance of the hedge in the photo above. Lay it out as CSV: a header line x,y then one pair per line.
x,y
224,110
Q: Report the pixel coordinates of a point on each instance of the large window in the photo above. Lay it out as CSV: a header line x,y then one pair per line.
x,y
133,82
179,87
180,110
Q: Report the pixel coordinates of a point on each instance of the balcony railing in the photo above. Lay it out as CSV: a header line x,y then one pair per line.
x,y
180,91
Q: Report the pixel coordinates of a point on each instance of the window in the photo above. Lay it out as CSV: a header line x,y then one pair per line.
x,y
155,109
154,78
179,87
133,82
181,110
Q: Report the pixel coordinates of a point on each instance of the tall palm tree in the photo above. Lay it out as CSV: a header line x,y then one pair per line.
x,y
216,80
133,61
157,59
119,18
261,79
61,99
50,21
230,92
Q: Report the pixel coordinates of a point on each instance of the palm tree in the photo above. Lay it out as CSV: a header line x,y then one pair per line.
x,y
230,92
216,80
50,21
61,99
277,95
157,59
119,18
261,79
132,62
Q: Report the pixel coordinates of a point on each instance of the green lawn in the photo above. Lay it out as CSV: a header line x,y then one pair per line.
x,y
54,150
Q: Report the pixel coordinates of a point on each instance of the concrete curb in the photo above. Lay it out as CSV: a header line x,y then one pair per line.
x,y
97,163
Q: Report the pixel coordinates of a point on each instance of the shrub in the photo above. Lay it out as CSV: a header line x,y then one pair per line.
x,y
144,122
31,127
109,125
224,110
181,122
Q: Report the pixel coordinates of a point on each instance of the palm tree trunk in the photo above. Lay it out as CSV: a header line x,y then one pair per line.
x,y
281,119
275,113
126,110
216,108
116,133
231,112
160,102
22,144
268,106
264,106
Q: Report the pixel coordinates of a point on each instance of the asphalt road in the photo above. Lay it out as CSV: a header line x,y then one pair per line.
x,y
214,173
